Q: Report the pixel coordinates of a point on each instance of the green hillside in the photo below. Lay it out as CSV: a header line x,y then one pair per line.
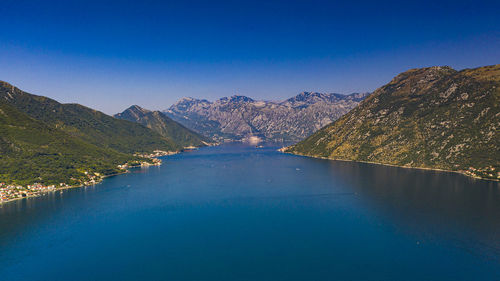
x,y
164,125
433,117
90,125
31,151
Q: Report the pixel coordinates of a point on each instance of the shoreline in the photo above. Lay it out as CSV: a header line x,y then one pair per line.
x,y
282,150
154,155
64,188
101,179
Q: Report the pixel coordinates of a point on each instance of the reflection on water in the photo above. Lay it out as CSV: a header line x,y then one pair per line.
x,y
237,212
430,204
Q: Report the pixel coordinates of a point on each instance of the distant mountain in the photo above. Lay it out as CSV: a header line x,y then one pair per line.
x,y
238,117
433,117
164,125
88,124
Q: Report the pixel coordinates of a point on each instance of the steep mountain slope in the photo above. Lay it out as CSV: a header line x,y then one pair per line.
x,y
237,117
90,125
31,151
165,126
432,117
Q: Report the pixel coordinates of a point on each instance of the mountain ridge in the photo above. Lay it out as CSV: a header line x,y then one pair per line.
x,y
237,117
89,124
32,151
433,118
44,142
164,125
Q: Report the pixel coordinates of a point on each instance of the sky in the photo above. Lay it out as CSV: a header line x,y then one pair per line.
x,y
109,55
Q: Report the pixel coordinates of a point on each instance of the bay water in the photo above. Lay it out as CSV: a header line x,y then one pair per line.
x,y
237,212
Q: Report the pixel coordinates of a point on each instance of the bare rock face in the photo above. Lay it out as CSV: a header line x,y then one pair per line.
x,y
238,117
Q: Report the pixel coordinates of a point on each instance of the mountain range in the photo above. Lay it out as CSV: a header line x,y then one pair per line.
x,y
44,141
238,117
433,117
88,124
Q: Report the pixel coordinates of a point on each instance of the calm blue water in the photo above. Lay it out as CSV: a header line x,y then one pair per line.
x,y
239,213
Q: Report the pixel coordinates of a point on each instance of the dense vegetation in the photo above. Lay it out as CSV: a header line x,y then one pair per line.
x,y
43,141
90,125
31,151
164,125
430,118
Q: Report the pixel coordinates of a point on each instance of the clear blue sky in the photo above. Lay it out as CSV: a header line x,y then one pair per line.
x,y
109,55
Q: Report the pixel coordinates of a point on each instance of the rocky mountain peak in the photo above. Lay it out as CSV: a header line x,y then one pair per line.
x,y
305,96
133,112
137,108
4,84
236,98
425,75
415,81
10,91
310,95
187,102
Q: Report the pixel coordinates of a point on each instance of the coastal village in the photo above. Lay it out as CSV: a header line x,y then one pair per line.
x,y
156,153
486,173
12,192
9,192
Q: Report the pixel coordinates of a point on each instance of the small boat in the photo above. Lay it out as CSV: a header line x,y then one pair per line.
x,y
189,148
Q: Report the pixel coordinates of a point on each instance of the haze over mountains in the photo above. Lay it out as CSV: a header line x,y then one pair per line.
x,y
238,117
433,117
